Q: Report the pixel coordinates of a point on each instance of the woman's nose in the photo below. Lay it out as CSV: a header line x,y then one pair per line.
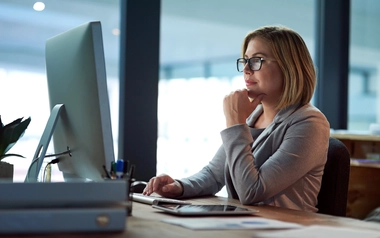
x,y
247,69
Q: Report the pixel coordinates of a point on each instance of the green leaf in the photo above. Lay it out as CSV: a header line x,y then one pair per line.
x,y
8,155
11,133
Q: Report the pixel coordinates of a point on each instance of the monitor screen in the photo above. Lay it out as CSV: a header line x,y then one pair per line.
x,y
76,78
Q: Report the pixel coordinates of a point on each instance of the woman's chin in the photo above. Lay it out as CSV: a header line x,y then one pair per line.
x,y
252,94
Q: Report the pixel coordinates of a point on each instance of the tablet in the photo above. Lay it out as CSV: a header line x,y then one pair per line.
x,y
153,200
204,210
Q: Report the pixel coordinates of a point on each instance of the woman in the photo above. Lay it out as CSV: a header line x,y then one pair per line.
x,y
275,144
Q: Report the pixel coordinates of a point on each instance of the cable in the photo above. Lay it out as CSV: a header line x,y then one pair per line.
x,y
54,161
68,151
135,183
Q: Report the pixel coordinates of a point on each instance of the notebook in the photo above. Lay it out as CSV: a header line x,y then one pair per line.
x,y
154,200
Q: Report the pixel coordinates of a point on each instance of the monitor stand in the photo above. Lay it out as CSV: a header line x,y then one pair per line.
x,y
40,154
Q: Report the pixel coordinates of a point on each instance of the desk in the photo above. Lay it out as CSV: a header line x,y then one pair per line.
x,y
363,188
145,222
359,145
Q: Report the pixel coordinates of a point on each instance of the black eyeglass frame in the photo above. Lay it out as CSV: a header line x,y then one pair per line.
x,y
261,59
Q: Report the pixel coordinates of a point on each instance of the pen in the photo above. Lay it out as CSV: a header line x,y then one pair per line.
x,y
126,166
119,168
113,169
131,172
130,178
105,170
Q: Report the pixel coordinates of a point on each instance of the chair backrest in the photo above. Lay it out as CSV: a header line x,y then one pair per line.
x,y
332,198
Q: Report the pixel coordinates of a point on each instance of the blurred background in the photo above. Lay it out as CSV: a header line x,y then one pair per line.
x,y
199,43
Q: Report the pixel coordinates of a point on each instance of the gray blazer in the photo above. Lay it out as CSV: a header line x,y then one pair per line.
x,y
281,166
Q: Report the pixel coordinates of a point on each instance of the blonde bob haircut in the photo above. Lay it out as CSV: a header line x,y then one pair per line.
x,y
294,60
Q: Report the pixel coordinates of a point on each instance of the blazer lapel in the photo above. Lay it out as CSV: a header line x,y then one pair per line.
x,y
278,119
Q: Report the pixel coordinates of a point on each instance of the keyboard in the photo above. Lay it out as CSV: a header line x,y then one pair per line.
x,y
154,200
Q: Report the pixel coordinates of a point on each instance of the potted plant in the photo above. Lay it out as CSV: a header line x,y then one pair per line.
x,y
9,135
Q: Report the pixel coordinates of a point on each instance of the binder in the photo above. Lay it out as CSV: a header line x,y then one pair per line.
x,y
63,207
52,220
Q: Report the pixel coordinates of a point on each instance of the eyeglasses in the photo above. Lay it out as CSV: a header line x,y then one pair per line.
x,y
254,63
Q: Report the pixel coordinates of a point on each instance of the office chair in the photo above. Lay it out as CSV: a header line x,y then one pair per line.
x,y
332,198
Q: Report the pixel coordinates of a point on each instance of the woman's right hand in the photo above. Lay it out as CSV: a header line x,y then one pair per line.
x,y
163,185
237,106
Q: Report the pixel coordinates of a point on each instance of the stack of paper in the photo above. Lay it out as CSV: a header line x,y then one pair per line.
x,y
220,223
321,232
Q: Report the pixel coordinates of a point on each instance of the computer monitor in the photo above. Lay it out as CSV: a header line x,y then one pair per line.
x,y
78,97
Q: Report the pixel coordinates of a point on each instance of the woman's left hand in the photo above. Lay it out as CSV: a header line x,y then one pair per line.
x,y
237,106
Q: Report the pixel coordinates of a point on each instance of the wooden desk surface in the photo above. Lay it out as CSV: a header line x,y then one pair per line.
x,y
145,222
